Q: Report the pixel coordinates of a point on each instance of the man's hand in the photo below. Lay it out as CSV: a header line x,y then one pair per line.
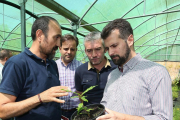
x,y
112,115
53,94
9,108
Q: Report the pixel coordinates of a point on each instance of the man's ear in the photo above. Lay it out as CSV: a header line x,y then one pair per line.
x,y
130,40
5,59
39,35
105,50
60,48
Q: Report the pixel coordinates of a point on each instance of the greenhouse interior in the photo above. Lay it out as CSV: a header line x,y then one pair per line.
x,y
155,23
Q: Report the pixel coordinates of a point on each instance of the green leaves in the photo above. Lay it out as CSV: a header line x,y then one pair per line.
x,y
83,98
80,108
90,88
75,97
67,90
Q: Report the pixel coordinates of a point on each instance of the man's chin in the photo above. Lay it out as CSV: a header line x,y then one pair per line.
x,y
68,60
50,57
116,62
95,63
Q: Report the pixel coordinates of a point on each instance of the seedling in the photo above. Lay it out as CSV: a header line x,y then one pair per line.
x,y
83,98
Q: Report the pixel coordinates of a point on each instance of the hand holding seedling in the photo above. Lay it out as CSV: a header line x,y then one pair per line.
x,y
52,94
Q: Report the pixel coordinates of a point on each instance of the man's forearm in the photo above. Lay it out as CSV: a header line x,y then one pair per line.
x,y
12,109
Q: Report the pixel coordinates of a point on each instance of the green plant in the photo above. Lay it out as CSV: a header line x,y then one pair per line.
x,y
83,98
175,91
176,113
176,82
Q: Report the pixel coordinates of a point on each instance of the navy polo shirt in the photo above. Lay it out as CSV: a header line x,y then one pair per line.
x,y
85,78
25,75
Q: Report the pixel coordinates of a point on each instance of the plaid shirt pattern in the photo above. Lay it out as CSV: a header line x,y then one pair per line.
x,y
66,77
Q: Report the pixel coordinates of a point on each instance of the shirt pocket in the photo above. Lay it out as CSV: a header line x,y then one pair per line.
x,y
87,82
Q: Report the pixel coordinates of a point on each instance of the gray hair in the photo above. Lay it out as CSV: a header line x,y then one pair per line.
x,y
93,36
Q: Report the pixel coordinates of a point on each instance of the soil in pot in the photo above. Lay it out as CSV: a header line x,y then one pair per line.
x,y
98,110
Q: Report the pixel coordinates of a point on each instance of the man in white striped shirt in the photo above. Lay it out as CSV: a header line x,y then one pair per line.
x,y
138,89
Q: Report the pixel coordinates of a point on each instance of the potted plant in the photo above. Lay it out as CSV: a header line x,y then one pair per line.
x,y
89,112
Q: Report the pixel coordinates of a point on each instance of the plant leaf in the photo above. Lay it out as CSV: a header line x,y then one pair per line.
x,y
71,91
80,108
75,97
90,88
88,110
84,98
66,90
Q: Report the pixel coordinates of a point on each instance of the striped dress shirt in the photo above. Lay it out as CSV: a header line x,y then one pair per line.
x,y
142,89
66,77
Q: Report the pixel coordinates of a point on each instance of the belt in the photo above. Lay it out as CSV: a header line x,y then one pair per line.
x,y
66,110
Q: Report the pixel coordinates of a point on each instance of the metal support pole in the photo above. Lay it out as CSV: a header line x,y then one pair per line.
x,y
75,27
75,32
87,11
166,56
23,24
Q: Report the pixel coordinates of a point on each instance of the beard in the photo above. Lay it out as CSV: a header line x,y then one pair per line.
x,y
122,59
50,54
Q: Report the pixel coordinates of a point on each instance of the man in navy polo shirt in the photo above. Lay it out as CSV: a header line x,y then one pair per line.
x,y
30,86
94,72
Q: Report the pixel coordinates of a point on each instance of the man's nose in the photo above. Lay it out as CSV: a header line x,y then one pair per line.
x,y
69,51
94,54
111,52
58,43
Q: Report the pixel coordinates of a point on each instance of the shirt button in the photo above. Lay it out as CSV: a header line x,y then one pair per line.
x,y
42,61
99,73
86,80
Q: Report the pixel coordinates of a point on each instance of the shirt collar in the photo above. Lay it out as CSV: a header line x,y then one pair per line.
x,y
29,53
131,63
107,64
120,68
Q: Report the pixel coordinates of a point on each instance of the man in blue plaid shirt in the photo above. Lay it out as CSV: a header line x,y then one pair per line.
x,y
66,67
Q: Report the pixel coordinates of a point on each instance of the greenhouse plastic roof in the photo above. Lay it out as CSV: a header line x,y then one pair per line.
x,y
156,23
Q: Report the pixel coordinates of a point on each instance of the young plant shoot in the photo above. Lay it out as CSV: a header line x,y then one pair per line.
x,y
83,98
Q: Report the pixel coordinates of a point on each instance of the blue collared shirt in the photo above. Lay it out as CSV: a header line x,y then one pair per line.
x,y
25,75
87,76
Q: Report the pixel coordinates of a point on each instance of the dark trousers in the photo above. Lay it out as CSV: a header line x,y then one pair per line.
x,y
68,113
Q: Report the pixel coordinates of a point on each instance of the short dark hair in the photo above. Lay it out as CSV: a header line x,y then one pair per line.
x,y
69,37
5,53
122,25
41,23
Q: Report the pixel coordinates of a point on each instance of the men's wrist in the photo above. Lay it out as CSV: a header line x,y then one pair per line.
x,y
39,97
